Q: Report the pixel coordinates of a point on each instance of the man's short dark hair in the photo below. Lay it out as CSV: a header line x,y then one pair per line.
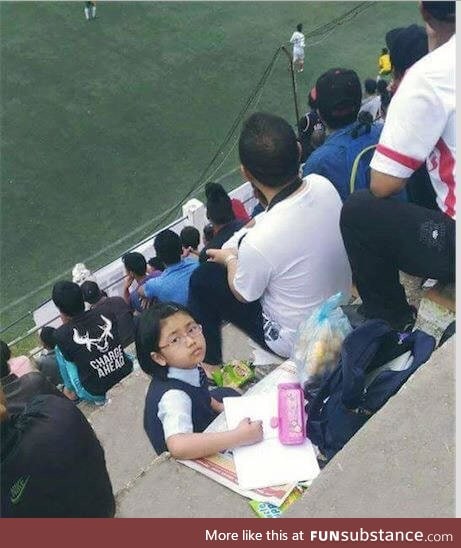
x,y
167,245
5,355
91,292
381,86
299,27
156,264
370,86
384,51
190,237
269,150
68,298
47,336
218,204
442,11
135,262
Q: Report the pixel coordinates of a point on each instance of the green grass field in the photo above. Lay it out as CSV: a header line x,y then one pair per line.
x,y
106,124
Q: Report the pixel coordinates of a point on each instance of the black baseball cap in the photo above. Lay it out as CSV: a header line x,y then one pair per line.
x,y
339,96
406,46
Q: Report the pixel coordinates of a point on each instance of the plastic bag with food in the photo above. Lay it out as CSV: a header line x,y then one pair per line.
x,y
318,343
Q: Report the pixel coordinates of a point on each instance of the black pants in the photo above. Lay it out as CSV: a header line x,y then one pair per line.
x,y
384,236
211,301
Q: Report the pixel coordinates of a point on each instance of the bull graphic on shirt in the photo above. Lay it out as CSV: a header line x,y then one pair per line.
x,y
102,342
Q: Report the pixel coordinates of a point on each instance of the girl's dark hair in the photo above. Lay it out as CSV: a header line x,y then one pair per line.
x,y
218,204
148,333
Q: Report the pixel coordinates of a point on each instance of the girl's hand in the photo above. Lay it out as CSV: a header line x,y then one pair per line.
x,y
249,431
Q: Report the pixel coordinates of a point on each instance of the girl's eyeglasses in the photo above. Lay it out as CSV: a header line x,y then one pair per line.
x,y
192,331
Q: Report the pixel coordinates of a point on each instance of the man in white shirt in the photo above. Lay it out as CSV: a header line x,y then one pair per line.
x,y
298,41
288,263
382,236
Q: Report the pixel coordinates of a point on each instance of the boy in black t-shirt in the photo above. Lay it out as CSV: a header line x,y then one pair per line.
x,y
89,350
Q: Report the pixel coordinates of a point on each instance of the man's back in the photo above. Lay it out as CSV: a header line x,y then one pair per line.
x,y
424,106
91,341
334,159
173,283
294,258
122,312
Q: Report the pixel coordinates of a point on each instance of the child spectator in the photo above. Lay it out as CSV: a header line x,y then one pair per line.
x,y
170,348
136,271
89,351
154,264
115,306
173,282
219,212
19,366
46,362
190,240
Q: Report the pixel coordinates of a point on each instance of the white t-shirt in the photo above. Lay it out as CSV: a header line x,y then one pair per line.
x,y
294,259
371,105
420,125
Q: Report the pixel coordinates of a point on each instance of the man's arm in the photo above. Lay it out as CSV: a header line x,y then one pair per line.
x,y
229,259
383,185
126,288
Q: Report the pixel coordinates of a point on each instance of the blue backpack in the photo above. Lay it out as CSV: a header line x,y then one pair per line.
x,y
363,382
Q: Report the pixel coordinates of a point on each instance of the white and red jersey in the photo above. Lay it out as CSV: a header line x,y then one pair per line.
x,y
420,125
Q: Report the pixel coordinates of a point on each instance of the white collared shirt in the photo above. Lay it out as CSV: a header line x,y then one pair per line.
x,y
175,406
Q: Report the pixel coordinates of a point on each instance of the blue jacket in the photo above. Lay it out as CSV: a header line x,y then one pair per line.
x,y
335,158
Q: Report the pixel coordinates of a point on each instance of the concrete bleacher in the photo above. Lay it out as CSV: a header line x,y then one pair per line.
x,y
400,464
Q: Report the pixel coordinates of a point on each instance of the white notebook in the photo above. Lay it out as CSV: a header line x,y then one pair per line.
x,y
269,462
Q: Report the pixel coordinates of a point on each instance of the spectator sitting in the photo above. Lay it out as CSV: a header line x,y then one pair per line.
x,y
89,351
50,462
339,96
46,362
407,46
136,271
288,263
19,391
219,212
170,348
19,366
154,264
111,305
371,102
190,240
383,236
173,282
308,126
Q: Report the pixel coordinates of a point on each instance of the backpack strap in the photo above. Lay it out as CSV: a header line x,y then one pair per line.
x,y
355,166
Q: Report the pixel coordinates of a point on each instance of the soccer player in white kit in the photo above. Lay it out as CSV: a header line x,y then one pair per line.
x,y
298,42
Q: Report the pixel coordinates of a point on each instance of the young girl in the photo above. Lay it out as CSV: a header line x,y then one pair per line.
x,y
170,347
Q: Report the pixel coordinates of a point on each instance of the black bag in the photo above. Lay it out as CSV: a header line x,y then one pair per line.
x,y
362,382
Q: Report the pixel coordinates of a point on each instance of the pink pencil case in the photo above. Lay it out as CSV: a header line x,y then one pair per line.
x,y
291,414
